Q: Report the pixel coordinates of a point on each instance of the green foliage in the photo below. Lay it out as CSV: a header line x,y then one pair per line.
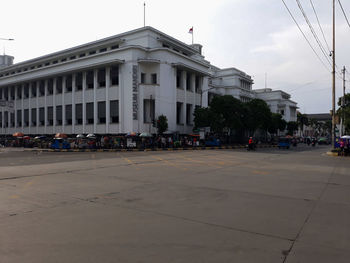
x,y
277,123
302,120
228,112
202,117
258,115
162,124
291,127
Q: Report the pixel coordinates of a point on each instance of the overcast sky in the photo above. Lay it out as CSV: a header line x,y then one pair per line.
x,y
256,36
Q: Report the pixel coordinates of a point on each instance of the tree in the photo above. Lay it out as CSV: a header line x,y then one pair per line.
x,y
277,123
227,113
291,127
258,115
202,117
162,124
302,120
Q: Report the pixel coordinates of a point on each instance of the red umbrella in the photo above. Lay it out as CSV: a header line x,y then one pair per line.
x,y
26,138
18,134
61,135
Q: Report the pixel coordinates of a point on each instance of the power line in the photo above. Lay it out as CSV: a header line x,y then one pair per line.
x,y
313,32
305,36
344,13
319,25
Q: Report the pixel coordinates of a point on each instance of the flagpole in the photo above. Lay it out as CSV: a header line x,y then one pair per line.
x,y
144,14
192,35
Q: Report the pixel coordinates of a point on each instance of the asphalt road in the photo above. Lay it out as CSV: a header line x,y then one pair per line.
x,y
190,206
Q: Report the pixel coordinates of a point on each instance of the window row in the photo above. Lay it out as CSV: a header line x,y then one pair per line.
x,y
38,115
41,88
187,83
64,59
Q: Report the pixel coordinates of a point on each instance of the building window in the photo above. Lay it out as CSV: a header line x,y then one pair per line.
x,y
6,93
41,88
69,83
59,85
178,79
26,90
19,118
41,116
114,111
72,57
12,119
92,52
103,50
101,112
50,87
59,115
188,114
282,112
68,111
115,47
143,78
82,55
188,82
79,113
6,119
148,110
0,119
90,80
154,78
114,75
19,92
12,93
179,113
101,78
33,88
26,117
34,117
90,113
49,116
197,84
79,81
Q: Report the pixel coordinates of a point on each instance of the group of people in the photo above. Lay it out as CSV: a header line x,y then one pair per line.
x,y
344,146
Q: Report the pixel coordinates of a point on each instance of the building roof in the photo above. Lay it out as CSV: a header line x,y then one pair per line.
x,y
320,116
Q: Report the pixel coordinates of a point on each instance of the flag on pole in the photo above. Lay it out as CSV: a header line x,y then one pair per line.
x,y
191,30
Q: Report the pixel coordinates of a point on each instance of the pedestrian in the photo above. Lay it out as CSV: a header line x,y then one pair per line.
x,y
342,145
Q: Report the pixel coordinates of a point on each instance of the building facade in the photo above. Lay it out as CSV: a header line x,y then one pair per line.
x,y
115,85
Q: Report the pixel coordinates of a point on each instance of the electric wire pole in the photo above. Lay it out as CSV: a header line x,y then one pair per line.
x,y
343,103
333,80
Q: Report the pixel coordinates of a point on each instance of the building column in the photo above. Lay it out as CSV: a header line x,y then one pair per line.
x,y
37,106
22,98
15,106
73,101
54,85
108,84
84,102
185,101
94,100
63,102
120,100
46,110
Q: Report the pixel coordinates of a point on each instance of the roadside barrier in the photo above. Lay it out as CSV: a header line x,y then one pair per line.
x,y
151,149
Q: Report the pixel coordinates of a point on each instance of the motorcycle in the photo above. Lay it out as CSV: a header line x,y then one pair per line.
x,y
251,147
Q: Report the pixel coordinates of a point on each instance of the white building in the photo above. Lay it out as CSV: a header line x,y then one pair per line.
x,y
115,85
279,102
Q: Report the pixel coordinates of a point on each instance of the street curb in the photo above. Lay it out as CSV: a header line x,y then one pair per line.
x,y
148,149
332,154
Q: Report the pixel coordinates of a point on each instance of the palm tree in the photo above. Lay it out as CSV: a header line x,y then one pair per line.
x,y
302,121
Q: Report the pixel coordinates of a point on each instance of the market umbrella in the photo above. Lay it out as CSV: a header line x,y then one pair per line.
x,y
346,137
39,137
26,138
80,136
18,134
131,134
91,135
145,134
61,135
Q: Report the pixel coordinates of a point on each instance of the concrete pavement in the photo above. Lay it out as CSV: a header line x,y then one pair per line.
x,y
200,206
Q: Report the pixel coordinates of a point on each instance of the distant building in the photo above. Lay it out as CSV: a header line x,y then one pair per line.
x,y
279,102
5,61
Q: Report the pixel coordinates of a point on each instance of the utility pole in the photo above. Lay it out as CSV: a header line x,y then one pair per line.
x,y
343,103
333,80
